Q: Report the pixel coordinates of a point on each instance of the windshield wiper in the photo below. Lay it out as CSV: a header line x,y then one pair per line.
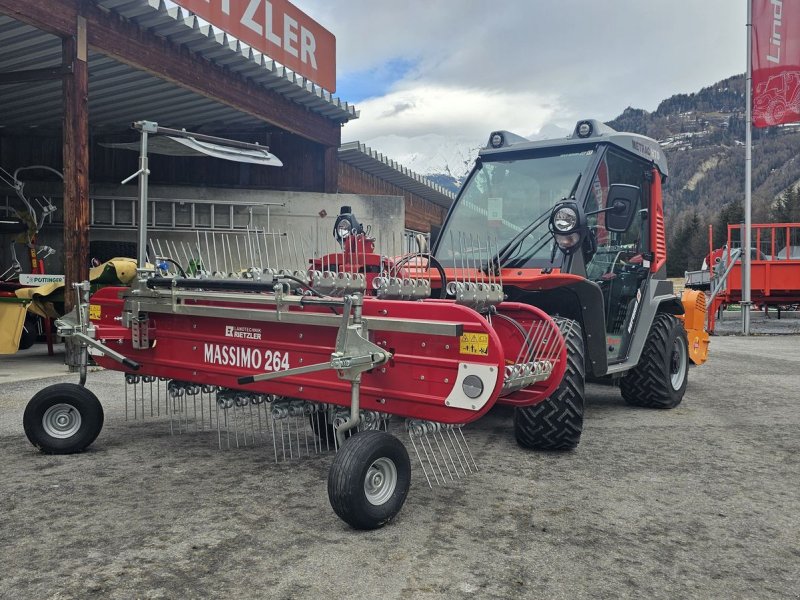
x,y
507,251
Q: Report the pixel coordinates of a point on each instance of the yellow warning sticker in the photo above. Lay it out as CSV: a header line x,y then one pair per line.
x,y
94,312
474,343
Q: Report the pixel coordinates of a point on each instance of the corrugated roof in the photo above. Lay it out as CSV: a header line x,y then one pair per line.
x,y
375,163
120,94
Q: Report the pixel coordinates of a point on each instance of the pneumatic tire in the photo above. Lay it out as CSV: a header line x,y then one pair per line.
x,y
557,422
369,479
64,418
659,380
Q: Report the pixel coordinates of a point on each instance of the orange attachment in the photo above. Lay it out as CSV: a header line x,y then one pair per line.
x,y
694,320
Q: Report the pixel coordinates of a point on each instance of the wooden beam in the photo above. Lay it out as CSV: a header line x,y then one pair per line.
x,y
54,16
76,161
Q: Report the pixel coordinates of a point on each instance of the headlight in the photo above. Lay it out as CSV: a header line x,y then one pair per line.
x,y
584,129
343,228
496,140
565,219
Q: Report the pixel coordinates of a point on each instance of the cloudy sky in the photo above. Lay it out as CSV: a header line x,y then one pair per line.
x,y
432,78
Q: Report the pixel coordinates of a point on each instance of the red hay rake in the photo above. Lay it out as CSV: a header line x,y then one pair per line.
x,y
315,359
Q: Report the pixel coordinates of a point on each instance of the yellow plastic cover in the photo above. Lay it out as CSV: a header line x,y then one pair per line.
x,y
12,319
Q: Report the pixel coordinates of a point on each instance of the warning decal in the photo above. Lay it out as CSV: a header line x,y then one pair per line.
x,y
94,312
474,343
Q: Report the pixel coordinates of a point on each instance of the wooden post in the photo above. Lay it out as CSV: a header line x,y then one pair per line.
x,y
75,54
331,184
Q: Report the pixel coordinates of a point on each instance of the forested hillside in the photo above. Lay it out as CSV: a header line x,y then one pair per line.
x,y
703,136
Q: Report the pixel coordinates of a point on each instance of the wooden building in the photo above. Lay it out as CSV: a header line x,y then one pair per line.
x,y
75,73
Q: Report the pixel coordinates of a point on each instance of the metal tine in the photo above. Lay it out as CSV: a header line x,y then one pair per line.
x,y
135,403
523,345
283,259
447,449
430,463
466,445
458,453
499,269
421,463
444,460
539,338
427,436
175,252
219,431
258,412
260,256
186,256
266,247
292,254
157,243
238,252
223,270
552,344
275,251
233,271
216,256
528,348
126,399
202,266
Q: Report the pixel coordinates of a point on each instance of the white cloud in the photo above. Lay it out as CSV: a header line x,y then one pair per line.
x,y
519,64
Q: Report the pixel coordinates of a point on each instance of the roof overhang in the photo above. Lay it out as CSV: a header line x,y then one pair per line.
x,y
374,163
120,93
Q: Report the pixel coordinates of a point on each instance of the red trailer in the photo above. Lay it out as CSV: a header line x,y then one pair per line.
x,y
775,269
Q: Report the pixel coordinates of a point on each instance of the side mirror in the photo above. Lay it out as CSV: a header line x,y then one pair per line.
x,y
623,200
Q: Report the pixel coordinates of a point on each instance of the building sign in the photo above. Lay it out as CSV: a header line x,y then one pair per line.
x,y
278,29
776,62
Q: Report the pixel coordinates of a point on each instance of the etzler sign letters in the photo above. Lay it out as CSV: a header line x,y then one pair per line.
x,y
278,29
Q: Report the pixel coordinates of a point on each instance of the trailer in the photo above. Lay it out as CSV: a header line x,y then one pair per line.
x,y
774,270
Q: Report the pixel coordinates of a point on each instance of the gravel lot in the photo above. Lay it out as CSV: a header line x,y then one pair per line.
x,y
698,502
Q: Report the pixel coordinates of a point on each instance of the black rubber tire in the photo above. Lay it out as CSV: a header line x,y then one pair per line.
x,y
650,383
557,422
30,332
348,474
78,398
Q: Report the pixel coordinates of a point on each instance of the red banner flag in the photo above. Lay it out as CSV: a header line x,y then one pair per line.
x,y
776,62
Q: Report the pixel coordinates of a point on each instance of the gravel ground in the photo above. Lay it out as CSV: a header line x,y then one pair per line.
x,y
697,502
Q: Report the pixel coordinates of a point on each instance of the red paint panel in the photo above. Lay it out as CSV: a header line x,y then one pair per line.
x,y
658,236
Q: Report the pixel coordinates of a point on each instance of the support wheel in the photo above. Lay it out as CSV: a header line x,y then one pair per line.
x,y
63,419
369,479
659,380
557,422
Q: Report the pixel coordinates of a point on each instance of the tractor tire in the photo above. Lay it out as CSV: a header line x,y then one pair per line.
x,y
557,422
659,380
369,479
30,332
63,418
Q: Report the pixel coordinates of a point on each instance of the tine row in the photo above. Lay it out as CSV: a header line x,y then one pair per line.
x,y
442,451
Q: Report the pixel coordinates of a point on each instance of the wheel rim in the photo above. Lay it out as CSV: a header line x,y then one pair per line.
x,y
61,421
381,481
677,363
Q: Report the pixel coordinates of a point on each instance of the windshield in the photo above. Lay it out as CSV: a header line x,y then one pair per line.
x,y
502,197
